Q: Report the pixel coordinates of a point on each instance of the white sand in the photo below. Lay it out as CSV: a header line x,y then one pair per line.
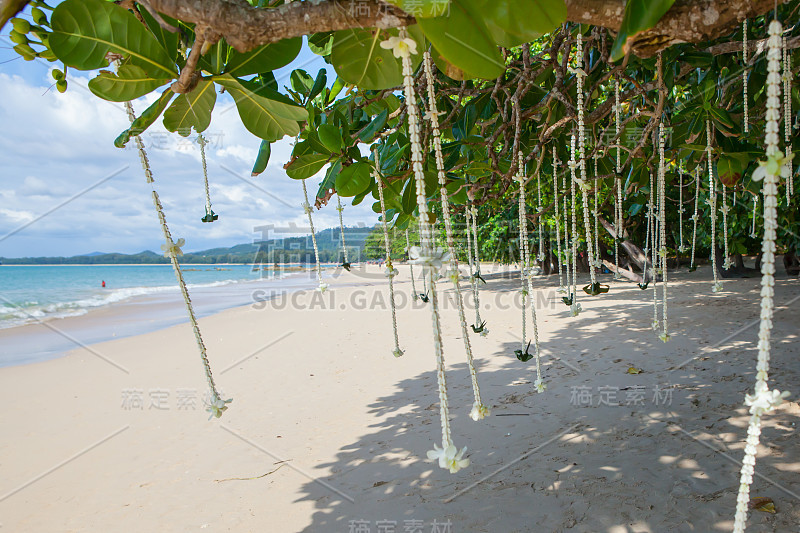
x,y
353,423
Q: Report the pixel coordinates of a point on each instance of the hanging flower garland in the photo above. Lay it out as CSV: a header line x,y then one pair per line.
x,y
681,210
426,255
744,78
763,399
753,234
556,201
172,250
594,287
695,216
539,210
574,307
340,208
210,216
414,293
597,262
662,253
726,263
475,266
527,283
307,208
391,272
712,202
479,410
654,257
787,114
617,180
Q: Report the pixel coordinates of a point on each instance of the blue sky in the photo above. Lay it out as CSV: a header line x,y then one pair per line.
x,y
58,146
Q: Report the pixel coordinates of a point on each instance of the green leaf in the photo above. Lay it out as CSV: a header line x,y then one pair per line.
x,y
354,179
214,60
320,43
731,167
306,166
640,15
372,129
330,137
263,59
261,159
330,179
301,81
192,110
463,39
422,8
84,31
145,120
168,39
264,112
359,59
508,28
319,83
129,83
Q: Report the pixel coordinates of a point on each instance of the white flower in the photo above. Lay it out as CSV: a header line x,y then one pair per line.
x,y
449,458
429,114
479,411
397,352
322,287
485,331
682,248
540,385
173,249
776,165
390,272
434,261
575,309
306,207
764,400
717,287
664,337
453,274
400,47
655,325
217,407
561,290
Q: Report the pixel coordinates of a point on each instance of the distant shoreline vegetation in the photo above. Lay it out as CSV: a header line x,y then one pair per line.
x,y
273,251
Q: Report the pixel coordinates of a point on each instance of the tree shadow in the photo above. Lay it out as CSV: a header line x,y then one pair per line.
x,y
602,449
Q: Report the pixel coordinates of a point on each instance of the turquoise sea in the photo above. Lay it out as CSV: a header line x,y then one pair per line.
x,y
41,306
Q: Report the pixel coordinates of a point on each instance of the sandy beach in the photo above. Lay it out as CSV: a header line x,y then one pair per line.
x,y
328,432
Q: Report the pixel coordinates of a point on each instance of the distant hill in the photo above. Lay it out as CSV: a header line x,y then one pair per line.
x,y
274,250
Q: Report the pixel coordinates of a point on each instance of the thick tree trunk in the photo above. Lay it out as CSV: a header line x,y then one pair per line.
x,y
791,263
738,270
246,27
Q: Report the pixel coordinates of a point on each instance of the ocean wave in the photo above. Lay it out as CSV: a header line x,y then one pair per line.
x,y
31,311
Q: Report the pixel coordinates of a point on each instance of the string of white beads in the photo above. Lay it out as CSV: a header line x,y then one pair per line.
x,y
763,399
340,208
308,209
712,202
695,216
744,78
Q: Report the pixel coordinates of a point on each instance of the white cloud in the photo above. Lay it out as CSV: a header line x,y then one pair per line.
x,y
56,145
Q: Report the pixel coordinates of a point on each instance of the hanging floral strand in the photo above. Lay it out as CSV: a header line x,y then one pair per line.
x,y
414,293
594,288
787,115
574,307
617,180
172,250
654,257
597,262
763,399
426,255
307,208
744,78
681,209
726,263
695,216
471,213
556,201
210,216
527,283
340,208
755,213
712,202
479,410
662,253
390,272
